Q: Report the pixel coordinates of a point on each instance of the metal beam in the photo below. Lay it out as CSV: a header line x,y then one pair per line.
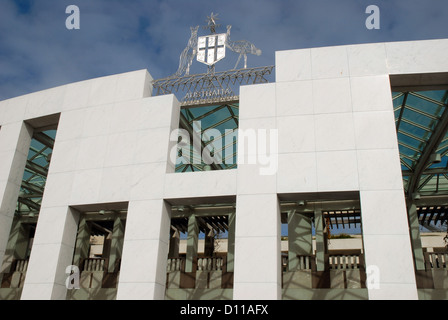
x,y
428,172
35,168
402,110
44,139
184,124
32,187
29,203
332,205
422,163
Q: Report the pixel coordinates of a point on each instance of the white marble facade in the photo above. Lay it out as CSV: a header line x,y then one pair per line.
x,y
332,108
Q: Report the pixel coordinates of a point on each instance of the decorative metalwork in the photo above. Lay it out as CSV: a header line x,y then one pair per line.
x,y
243,47
211,48
211,87
187,56
211,23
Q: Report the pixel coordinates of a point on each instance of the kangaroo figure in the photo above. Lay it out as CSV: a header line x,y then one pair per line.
x,y
187,56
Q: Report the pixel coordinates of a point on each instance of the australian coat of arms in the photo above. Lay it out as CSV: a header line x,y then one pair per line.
x,y
211,48
211,87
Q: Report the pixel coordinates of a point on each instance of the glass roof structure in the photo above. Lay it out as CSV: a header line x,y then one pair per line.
x,y
35,174
215,127
422,122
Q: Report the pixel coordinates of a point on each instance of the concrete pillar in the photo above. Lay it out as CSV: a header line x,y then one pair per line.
x,y
116,247
209,243
174,244
414,230
257,271
387,246
52,253
320,239
107,245
15,139
192,243
17,245
22,241
299,238
146,240
231,242
145,251
82,245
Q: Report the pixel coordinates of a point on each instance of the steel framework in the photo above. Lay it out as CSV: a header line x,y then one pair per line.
x,y
422,124
35,175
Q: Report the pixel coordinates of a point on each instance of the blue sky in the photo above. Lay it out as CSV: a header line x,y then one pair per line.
x,y
38,52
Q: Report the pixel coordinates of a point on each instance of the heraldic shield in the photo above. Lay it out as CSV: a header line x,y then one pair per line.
x,y
211,48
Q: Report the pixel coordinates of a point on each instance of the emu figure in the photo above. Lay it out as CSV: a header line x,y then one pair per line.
x,y
242,47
